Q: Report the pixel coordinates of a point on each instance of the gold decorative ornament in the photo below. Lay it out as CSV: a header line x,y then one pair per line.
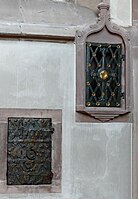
x,y
113,74
88,83
94,55
113,94
98,84
97,103
114,56
88,104
104,75
93,94
108,104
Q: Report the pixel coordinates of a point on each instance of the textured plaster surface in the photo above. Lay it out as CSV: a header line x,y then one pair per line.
x,y
57,17
43,17
92,4
121,12
96,158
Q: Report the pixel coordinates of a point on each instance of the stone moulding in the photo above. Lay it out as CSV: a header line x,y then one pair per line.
x,y
102,32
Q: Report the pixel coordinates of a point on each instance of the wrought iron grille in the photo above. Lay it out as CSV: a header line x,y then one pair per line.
x,y
103,75
29,151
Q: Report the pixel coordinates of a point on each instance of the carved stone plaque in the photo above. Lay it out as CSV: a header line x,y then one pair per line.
x,y
29,151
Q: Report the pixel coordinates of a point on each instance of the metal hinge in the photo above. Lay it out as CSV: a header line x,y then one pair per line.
x,y
123,95
123,57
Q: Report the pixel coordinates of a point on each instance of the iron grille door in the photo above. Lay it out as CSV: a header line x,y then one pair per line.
x,y
103,75
29,151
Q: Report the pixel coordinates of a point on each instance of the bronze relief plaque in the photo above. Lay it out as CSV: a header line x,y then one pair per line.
x,y
29,151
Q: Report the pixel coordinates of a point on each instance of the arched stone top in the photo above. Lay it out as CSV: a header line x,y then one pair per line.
x,y
89,44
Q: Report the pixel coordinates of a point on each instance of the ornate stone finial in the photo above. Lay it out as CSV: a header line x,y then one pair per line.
x,y
104,11
103,6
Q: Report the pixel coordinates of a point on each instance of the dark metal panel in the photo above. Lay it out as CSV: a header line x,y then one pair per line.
x,y
103,74
29,155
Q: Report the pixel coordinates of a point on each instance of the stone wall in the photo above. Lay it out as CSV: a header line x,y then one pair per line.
x,y
96,158
121,12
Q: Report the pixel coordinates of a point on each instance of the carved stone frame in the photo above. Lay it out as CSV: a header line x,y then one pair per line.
x,y
103,32
56,116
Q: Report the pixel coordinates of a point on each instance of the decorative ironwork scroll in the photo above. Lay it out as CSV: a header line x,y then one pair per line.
x,y
103,75
29,149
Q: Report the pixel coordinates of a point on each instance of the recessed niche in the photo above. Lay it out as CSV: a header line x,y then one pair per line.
x,y
30,150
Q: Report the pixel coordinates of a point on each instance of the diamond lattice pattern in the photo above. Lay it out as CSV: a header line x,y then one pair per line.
x,y
103,75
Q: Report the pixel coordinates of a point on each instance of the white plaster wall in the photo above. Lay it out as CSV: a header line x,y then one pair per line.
x,y
121,12
57,17
96,157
